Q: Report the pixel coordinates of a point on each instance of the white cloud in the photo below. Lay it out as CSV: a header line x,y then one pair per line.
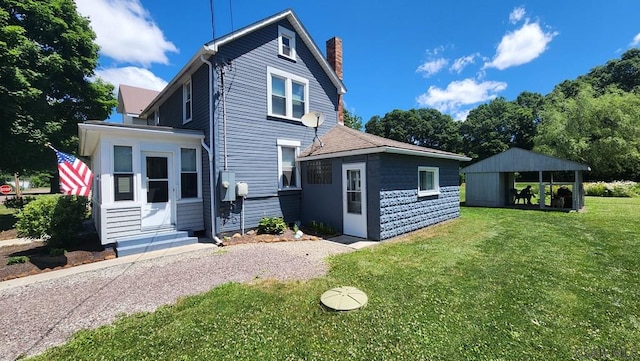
x,y
517,14
131,75
461,115
636,40
521,46
459,93
126,32
461,63
432,67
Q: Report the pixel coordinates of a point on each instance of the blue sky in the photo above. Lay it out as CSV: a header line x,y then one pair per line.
x,y
448,55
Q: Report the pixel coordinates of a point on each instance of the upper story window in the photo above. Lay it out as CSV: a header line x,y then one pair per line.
x,y
288,94
288,169
187,103
286,43
123,173
428,181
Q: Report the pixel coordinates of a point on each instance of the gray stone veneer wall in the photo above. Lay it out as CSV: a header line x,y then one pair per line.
x,y
401,211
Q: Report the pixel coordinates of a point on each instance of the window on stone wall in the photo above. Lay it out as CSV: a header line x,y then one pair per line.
x,y
319,172
428,181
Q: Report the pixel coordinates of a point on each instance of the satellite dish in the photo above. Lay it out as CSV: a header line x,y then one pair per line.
x,y
313,119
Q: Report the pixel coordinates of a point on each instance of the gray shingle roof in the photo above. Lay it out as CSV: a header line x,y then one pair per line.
x,y
342,141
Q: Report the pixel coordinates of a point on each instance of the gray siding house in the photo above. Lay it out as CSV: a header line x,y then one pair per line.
x,y
232,148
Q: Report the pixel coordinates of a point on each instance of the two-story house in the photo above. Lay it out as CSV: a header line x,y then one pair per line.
x,y
229,147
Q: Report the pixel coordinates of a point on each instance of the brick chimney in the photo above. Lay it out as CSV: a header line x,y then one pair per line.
x,y
334,57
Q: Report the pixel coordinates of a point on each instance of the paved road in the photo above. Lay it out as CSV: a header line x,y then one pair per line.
x,y
37,315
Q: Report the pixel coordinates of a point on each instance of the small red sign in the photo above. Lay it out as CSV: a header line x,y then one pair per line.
x,y
5,189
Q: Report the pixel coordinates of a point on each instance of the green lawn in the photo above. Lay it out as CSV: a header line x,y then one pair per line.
x,y
496,284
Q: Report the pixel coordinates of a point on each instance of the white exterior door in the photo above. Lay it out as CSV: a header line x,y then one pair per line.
x,y
354,199
157,190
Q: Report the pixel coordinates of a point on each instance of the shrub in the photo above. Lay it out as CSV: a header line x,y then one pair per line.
x,y
272,225
17,259
612,189
40,180
56,219
18,202
321,228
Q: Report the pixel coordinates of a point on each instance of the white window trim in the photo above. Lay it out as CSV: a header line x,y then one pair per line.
x,y
288,93
156,117
186,84
282,31
283,143
436,181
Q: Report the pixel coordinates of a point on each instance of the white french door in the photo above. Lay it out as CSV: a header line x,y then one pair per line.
x,y
157,190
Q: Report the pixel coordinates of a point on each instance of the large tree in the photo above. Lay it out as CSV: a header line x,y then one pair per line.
x,y
424,127
500,124
47,62
601,131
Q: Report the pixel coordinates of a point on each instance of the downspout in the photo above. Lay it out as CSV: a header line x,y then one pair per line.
x,y
209,148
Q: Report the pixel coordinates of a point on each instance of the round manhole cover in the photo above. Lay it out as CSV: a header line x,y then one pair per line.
x,y
344,298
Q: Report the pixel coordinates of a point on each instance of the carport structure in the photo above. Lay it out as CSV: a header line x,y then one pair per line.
x,y
491,181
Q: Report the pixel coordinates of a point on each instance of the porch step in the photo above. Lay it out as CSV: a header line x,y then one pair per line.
x,y
153,242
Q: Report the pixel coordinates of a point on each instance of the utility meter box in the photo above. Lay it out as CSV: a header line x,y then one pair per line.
x,y
227,186
242,189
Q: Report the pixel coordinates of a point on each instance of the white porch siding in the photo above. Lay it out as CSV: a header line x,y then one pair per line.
x,y
120,222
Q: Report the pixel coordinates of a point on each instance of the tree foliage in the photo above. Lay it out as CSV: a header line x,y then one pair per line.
x,y
47,61
500,124
351,120
601,131
424,127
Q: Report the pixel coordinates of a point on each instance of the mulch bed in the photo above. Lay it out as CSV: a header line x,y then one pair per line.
x,y
87,250
253,237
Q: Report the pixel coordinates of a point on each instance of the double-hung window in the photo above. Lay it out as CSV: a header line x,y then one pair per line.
x,y
288,168
428,181
187,103
286,43
188,173
287,94
123,173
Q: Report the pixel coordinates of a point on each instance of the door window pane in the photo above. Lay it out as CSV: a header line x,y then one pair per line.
x,y
158,191
354,193
157,168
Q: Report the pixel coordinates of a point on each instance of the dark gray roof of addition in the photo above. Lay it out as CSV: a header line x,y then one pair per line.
x,y
342,141
521,160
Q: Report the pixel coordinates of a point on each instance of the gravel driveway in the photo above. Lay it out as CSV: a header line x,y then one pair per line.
x,y
40,315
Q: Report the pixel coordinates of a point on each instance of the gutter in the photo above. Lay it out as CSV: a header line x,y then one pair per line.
x,y
209,148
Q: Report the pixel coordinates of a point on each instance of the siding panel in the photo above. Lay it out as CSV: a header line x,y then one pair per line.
x,y
190,217
401,210
251,135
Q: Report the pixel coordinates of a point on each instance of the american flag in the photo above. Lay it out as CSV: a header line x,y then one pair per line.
x,y
75,176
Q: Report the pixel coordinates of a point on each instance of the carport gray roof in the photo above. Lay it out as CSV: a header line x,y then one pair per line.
x,y
521,160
